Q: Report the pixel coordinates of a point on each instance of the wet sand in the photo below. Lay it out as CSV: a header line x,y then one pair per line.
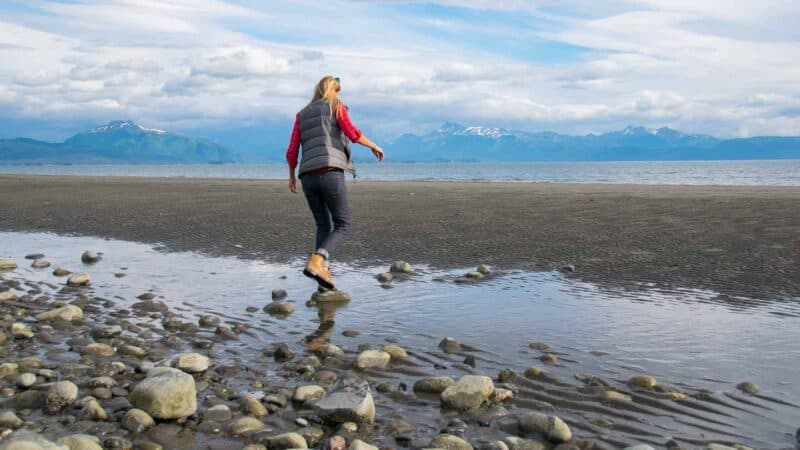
x,y
735,240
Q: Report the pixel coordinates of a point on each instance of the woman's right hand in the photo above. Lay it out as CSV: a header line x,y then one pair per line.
x,y
378,152
293,184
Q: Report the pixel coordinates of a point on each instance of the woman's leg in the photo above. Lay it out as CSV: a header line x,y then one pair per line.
x,y
334,195
316,203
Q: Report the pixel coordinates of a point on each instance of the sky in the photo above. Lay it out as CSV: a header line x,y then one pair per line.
x,y
726,68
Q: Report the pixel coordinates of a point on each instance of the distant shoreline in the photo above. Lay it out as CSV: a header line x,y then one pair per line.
x,y
737,240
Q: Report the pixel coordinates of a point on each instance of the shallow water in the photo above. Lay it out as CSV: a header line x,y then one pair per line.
x,y
689,339
770,172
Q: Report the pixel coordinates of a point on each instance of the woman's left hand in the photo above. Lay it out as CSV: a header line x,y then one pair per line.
x,y
378,152
293,184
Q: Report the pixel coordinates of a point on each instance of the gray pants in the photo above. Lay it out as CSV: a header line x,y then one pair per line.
x,y
326,194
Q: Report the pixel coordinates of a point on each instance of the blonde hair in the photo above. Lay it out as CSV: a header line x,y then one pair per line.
x,y
328,88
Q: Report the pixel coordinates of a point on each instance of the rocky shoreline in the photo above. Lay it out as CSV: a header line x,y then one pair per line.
x,y
83,372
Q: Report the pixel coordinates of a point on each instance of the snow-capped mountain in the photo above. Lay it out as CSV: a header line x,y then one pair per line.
x,y
125,124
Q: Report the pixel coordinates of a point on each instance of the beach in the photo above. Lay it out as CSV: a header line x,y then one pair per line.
x,y
740,240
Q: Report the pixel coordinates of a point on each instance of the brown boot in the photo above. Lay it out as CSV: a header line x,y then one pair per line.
x,y
316,269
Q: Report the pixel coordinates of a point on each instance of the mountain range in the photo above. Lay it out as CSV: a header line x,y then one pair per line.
x,y
127,142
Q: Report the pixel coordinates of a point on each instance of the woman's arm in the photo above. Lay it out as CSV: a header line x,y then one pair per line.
x,y
366,142
355,135
291,154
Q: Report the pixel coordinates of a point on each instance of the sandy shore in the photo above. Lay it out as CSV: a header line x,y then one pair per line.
x,y
737,240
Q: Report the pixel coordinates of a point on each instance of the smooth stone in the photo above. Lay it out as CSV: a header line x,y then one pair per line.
x,y
253,407
541,346
433,385
474,275
748,387
61,272
548,358
81,442
21,331
517,443
385,277
244,425
279,294
137,420
286,441
209,321
552,427
450,442
279,308
569,268
644,381
218,413
330,296
450,345
40,264
348,400
301,422
306,393
350,333
535,372
485,270
26,379
611,395
61,395
401,267
98,349
132,350
78,279
639,447
28,440
470,391
93,411
191,362
7,296
358,444
166,393
8,419
68,313
395,351
90,256
7,264
500,395
373,359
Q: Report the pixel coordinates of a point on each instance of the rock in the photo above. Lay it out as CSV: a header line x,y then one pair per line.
x,y
283,353
517,443
350,333
27,440
7,264
714,446
40,264
132,350
385,277
470,391
93,411
276,400
610,395
253,407
301,422
450,345
26,379
78,279
21,331
644,381
748,387
541,346
474,275
7,296
433,385
401,267
30,400
336,443
639,447
568,268
358,444
81,442
244,425
307,393
61,272
535,372
330,296
218,413
61,395
279,294
279,308
137,420
552,427
90,257
97,349
348,400
209,321
373,359
395,351
9,420
166,393
286,441
501,395
68,313
548,358
191,362
484,269
450,442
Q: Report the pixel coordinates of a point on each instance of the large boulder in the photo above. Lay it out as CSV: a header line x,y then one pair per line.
x,y
471,391
27,440
349,400
552,427
166,393
68,313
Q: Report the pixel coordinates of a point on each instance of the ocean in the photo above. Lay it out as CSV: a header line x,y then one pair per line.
x,y
772,172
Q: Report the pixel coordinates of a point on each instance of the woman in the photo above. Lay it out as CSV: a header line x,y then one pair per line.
x,y
323,128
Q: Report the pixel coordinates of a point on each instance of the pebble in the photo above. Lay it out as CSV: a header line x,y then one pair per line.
x,y
485,270
7,264
253,407
385,277
209,321
450,345
90,256
395,351
81,442
218,413
286,441
21,331
535,372
93,411
9,420
474,275
555,429
61,395
748,387
358,444
279,308
307,393
132,350
40,264
7,296
26,379
166,393
401,267
568,268
98,349
61,272
450,442
470,391
78,279
517,443
137,420
301,422
350,333
279,294
548,358
373,359
612,395
191,362
68,313
433,385
643,381
246,424
28,440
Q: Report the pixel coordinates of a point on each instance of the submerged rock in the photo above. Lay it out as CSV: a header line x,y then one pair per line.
x,y
78,279
395,351
286,441
348,400
90,256
279,308
433,385
279,294
7,264
748,387
551,427
246,424
401,267
68,313
81,442
644,381
28,440
40,264
470,391
166,393
450,442
61,272
330,296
